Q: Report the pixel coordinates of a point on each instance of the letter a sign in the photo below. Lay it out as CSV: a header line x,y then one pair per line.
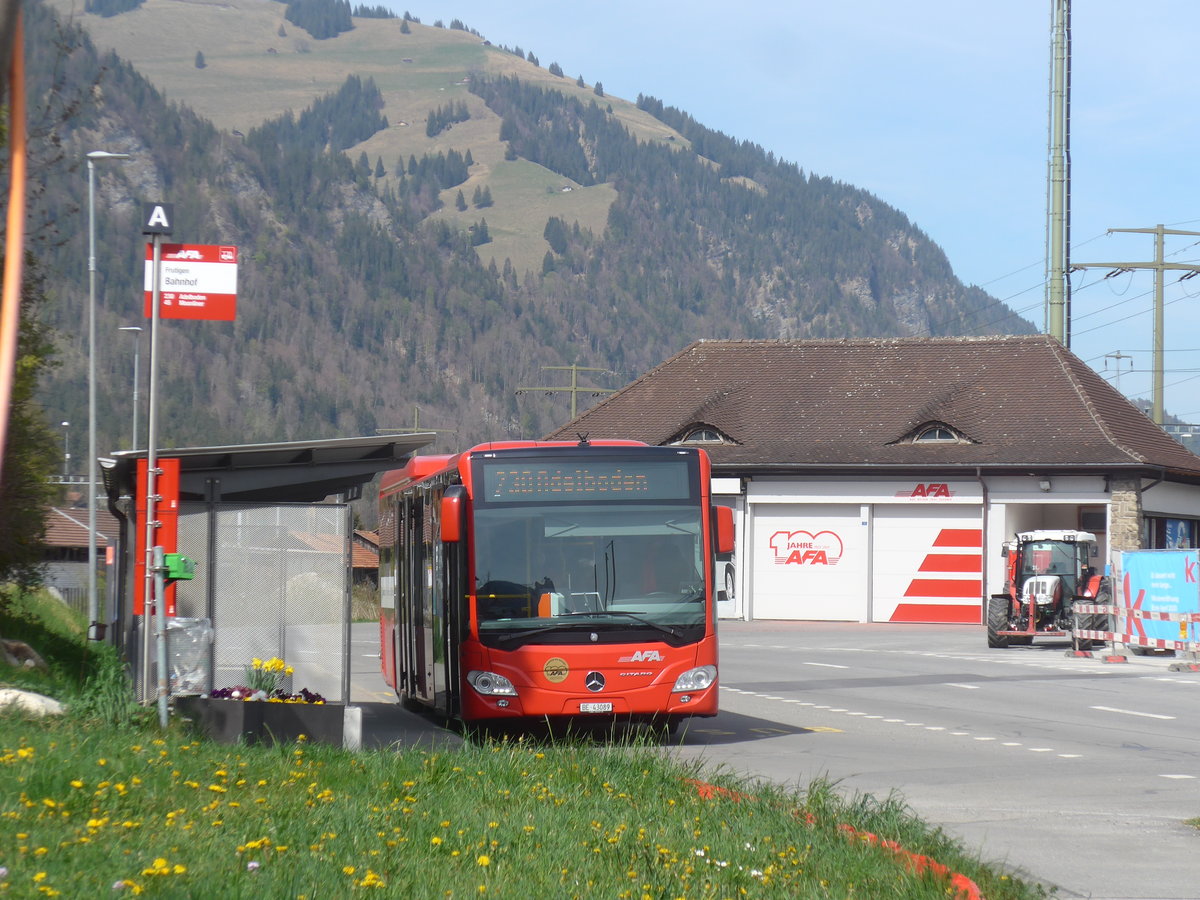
x,y
157,218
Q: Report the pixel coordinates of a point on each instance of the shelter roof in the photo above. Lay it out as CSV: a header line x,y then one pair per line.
x,y
294,472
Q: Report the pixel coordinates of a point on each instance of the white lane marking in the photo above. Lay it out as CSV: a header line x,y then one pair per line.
x,y
1179,777
1070,756
965,687
826,665
1130,712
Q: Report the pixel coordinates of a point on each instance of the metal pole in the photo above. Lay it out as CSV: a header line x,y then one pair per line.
x,y
150,599
1058,188
93,602
1157,392
137,352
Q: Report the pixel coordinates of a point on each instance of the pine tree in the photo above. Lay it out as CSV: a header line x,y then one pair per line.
x,y
200,63
460,202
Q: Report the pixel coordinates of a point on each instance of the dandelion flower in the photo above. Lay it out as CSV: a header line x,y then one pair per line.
x,y
484,860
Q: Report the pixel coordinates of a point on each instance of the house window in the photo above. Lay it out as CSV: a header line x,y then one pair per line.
x,y
935,434
702,436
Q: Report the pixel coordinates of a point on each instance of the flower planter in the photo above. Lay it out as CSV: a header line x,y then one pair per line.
x,y
254,721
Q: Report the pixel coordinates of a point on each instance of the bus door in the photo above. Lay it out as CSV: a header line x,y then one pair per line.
x,y
414,654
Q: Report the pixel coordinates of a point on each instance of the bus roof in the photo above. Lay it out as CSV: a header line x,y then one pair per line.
x,y
419,468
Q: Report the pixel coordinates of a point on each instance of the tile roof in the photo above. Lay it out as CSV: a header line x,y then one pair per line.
x,y
360,557
1019,401
68,527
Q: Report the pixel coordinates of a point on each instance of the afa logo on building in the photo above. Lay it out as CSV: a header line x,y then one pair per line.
x,y
933,490
804,548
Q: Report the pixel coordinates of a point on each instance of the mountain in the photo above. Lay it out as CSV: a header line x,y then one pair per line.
x,y
426,222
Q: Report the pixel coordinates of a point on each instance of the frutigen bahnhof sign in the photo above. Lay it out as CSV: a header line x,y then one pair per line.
x,y
197,281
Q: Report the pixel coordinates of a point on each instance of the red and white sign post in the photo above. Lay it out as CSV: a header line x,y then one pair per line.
x,y
196,281
183,281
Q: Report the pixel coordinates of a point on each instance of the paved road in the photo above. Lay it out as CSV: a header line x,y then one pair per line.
x,y
1073,772
1076,772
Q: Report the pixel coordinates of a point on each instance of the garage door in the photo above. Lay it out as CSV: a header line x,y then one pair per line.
x,y
927,564
809,562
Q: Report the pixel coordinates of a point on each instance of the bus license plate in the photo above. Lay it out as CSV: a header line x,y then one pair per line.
x,y
595,707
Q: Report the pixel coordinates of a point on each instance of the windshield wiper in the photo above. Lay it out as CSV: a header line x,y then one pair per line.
x,y
637,616
542,629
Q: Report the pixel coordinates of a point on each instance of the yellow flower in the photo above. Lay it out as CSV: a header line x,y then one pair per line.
x,y
484,860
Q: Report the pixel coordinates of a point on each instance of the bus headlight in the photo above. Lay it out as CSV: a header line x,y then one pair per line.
x,y
491,685
695,679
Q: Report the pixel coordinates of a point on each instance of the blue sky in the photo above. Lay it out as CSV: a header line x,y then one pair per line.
x,y
938,107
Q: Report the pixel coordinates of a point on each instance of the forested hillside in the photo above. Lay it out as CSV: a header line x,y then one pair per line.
x,y
366,283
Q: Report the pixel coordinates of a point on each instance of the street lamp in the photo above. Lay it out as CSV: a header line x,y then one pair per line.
x,y
137,351
66,426
92,158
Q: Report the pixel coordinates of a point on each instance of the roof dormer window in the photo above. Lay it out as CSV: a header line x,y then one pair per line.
x,y
936,434
700,434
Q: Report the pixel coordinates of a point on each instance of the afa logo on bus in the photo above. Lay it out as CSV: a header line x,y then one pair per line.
x,y
804,548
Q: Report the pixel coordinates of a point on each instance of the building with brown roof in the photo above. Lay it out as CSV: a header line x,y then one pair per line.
x,y
66,553
875,480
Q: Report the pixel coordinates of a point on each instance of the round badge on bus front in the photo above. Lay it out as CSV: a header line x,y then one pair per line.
x,y
555,670
594,681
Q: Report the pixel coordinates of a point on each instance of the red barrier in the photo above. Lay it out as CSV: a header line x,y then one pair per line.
x,y
963,887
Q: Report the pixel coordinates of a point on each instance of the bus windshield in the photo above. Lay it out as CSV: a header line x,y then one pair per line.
x,y
578,572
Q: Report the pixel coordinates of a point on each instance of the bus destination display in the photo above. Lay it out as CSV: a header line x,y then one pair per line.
x,y
531,482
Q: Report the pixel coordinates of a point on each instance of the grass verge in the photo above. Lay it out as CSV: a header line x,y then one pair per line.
x,y
91,807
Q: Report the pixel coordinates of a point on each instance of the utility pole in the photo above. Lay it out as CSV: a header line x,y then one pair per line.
x,y
573,388
1058,178
416,426
1160,267
1118,356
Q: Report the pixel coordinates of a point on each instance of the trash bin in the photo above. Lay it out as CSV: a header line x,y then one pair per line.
x,y
188,641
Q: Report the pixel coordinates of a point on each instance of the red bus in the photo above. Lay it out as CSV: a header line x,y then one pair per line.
x,y
552,580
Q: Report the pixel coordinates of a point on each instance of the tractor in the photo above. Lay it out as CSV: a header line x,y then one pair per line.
x,y
1047,573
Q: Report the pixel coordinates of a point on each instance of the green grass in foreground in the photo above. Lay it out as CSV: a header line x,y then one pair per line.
x,y
89,807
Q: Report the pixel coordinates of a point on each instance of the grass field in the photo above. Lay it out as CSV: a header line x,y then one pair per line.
x,y
253,74
102,802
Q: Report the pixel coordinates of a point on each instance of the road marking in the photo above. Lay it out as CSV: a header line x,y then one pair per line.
x,y
1179,777
965,687
1012,743
1070,756
985,739
1041,749
1131,712
826,665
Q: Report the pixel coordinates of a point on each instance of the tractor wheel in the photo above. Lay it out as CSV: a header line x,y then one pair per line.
x,y
997,621
1097,621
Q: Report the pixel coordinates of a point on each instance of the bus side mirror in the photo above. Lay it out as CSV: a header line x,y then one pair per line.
x,y
452,515
724,520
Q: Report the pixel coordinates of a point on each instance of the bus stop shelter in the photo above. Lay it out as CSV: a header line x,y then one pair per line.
x,y
269,528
